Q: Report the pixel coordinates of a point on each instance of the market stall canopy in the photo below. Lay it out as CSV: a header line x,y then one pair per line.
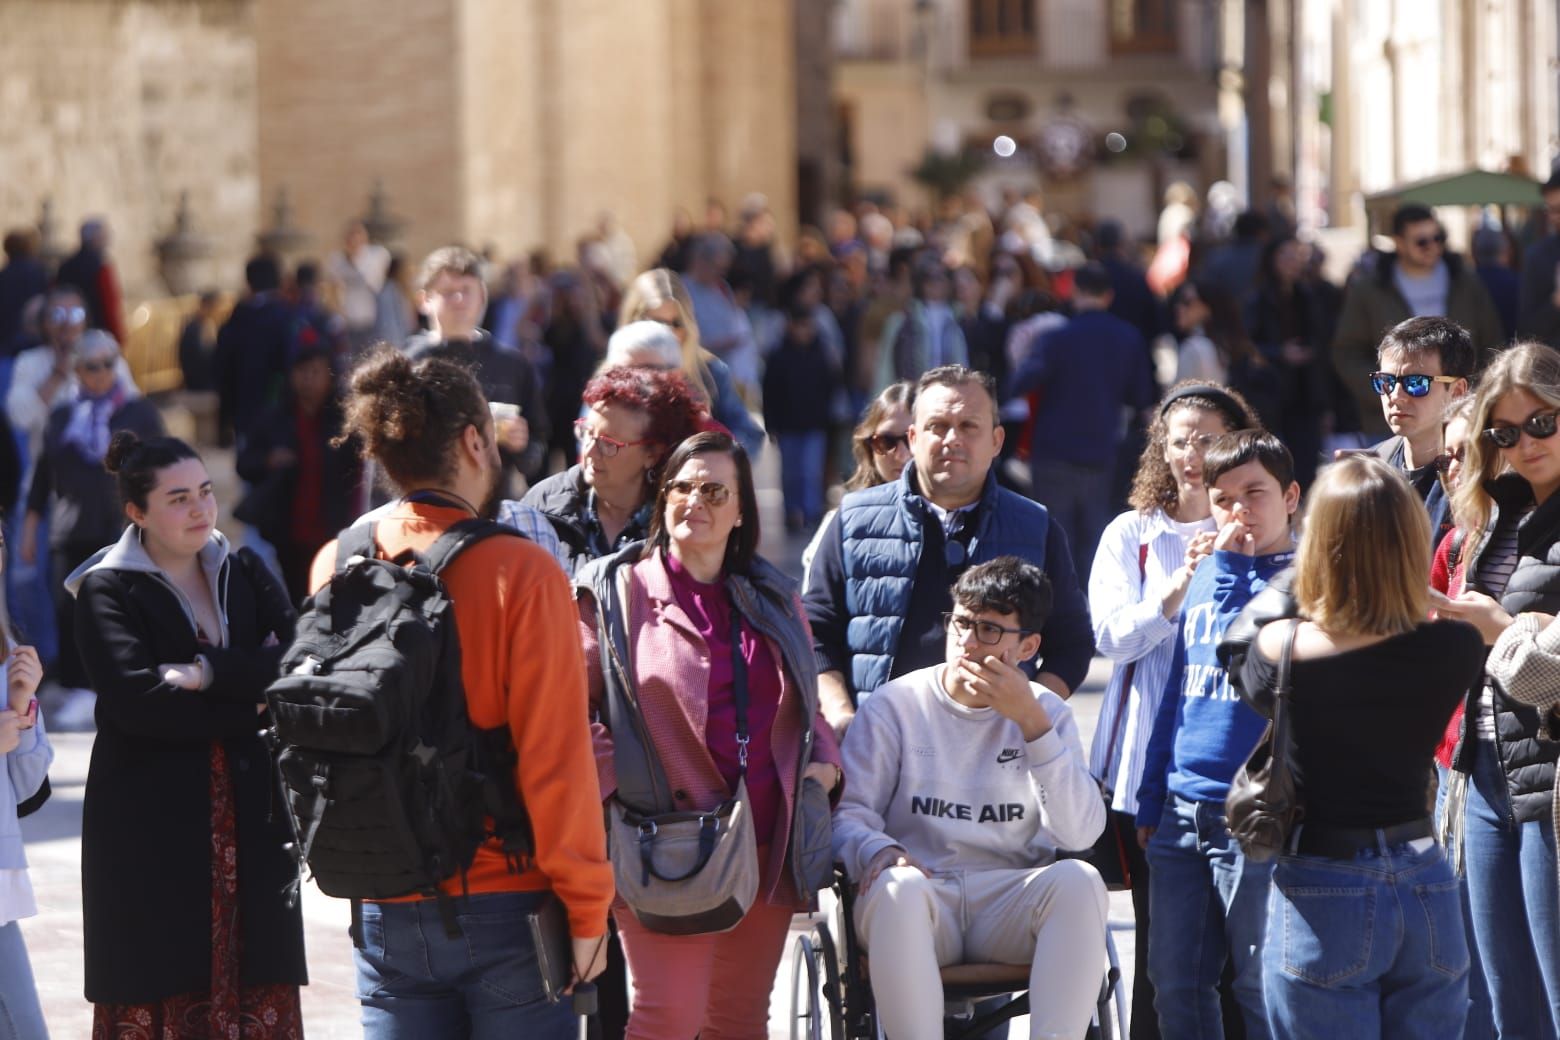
x,y
1469,188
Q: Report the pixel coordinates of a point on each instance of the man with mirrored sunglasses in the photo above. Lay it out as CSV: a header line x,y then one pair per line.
x,y
1419,279
1422,365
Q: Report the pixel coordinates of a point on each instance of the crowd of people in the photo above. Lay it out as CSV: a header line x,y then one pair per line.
x,y
989,389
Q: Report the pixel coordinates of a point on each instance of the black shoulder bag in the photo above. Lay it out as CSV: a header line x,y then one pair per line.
x,y
1263,805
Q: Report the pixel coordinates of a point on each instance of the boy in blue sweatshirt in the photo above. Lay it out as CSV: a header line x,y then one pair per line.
x,y
1206,902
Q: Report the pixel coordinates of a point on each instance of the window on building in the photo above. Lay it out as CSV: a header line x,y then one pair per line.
x,y
1143,26
1002,28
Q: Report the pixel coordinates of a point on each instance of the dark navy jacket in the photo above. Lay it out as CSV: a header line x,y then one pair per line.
x,y
862,585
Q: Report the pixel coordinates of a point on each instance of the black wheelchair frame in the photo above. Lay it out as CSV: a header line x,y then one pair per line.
x,y
831,995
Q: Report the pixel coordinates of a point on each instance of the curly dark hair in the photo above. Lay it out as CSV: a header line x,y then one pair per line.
x,y
407,415
1154,486
675,412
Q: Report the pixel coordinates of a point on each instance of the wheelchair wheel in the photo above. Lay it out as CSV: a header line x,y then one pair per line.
x,y
815,988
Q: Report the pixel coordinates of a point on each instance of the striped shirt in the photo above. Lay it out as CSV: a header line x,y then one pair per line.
x,y
1131,629
1496,565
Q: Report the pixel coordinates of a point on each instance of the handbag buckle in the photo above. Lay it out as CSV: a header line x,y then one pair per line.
x,y
647,828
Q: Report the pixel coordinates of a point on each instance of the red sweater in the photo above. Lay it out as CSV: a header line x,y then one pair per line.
x,y
1448,579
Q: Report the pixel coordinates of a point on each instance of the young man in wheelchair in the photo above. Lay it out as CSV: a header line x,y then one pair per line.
x,y
965,781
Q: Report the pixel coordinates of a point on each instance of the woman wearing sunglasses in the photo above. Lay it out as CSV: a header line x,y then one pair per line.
x,y
706,617
1141,571
1506,502
633,417
70,487
880,446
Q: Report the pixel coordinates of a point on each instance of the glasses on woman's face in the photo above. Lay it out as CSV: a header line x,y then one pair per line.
x,y
1444,461
987,633
885,443
1540,427
1199,444
102,365
609,446
711,493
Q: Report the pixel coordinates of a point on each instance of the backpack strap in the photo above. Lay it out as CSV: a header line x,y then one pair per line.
x,y
358,540
460,537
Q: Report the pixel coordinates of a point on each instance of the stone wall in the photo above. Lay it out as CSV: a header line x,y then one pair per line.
x,y
113,107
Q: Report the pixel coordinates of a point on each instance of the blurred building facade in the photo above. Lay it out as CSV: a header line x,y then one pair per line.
x,y
1058,77
510,123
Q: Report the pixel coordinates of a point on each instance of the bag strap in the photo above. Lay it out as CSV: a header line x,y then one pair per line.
x,y
739,690
459,537
357,540
1129,674
635,761
1281,691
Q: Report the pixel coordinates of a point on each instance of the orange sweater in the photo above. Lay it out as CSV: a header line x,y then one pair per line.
x,y
521,661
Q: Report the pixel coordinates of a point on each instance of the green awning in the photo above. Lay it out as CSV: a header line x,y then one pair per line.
x,y
1470,188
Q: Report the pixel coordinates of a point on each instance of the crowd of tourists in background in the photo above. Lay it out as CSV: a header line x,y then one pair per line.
x,y
1008,444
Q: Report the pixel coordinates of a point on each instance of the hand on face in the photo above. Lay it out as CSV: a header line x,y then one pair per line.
x,y
990,681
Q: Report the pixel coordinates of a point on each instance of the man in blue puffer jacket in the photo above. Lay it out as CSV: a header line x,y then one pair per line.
x,y
878,588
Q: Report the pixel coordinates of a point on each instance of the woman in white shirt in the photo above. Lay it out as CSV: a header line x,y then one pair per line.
x,y
27,755
1141,570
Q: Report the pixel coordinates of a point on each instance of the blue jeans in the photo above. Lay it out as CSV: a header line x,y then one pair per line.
x,y
21,1016
1207,904
801,473
1367,947
414,981
1516,910
1481,1017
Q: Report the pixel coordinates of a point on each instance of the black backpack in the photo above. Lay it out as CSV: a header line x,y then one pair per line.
x,y
389,787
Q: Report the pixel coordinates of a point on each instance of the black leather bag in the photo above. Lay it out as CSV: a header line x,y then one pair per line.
x,y
1263,805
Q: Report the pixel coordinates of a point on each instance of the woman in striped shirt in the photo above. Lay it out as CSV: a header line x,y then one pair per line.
x,y
1141,569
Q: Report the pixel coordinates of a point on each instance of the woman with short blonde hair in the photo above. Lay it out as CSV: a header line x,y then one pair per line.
x,y
1372,684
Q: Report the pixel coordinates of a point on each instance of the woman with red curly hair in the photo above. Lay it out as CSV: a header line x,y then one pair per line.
x,y
633,419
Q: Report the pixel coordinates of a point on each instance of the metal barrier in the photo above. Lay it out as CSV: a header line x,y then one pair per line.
x,y
151,346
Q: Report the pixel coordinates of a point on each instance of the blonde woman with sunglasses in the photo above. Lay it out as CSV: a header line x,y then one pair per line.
x,y
1506,500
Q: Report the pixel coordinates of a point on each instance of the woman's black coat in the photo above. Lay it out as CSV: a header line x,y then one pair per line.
x,y
146,820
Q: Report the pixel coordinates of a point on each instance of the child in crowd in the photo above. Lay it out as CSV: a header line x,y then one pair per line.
x,y
1208,903
799,384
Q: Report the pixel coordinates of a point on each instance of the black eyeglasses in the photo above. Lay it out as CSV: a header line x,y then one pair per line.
x,y
712,493
988,633
1426,241
884,444
1540,427
96,366
1443,462
1415,384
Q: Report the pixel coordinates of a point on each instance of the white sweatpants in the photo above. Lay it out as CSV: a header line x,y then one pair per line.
x,y
1051,918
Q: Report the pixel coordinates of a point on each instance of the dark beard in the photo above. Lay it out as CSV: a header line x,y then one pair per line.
x,y
488,509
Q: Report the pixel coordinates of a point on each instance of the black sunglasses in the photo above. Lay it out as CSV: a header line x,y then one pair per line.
x,y
1425,241
882,443
1415,384
1540,427
1443,462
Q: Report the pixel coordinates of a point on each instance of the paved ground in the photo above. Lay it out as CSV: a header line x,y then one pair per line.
x,y
329,1006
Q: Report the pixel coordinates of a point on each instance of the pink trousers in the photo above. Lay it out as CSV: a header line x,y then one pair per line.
x,y
715,987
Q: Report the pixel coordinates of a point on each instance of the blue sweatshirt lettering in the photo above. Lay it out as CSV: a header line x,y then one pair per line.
x,y
1204,731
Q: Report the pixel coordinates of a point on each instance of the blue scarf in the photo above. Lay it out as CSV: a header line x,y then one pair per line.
x,y
87,430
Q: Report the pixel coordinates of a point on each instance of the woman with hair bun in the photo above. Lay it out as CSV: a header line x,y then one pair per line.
x,y
188,928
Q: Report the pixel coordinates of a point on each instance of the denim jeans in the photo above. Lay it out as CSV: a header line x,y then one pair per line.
x,y
414,981
801,473
1516,910
1208,904
21,1016
1373,946
1481,1017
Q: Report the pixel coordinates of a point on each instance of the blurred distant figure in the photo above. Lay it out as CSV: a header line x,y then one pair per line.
x,y
453,297
1233,267
252,346
22,278
359,271
315,325
71,488
45,376
198,344
675,254
1492,260
574,342
1540,297
926,334
396,315
724,329
1131,299
1177,225
303,489
622,258
799,384
91,272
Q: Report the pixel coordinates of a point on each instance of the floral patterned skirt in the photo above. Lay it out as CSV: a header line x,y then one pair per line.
x,y
231,1011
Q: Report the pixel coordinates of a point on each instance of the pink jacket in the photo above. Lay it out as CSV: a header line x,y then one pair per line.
x,y
670,665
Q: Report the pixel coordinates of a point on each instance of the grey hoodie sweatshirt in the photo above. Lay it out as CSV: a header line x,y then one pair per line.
x,y
959,788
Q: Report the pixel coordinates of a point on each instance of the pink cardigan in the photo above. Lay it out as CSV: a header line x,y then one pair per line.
x,y
670,665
